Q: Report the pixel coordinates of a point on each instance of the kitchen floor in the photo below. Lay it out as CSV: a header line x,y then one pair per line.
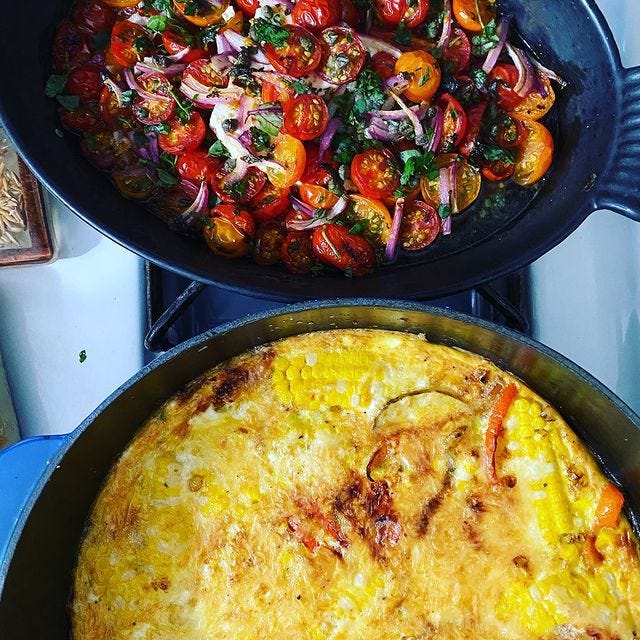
x,y
586,304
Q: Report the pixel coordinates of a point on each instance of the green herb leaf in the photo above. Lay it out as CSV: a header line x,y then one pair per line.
x,y
444,210
270,123
69,102
359,227
55,85
261,140
264,31
218,150
498,154
142,44
162,127
486,40
300,86
479,78
158,23
495,202
415,164
82,356
402,34
208,35
165,178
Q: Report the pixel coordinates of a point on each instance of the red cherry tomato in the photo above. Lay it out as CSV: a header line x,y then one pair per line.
x,y
93,15
206,73
296,252
129,43
298,56
314,172
335,246
242,191
267,244
80,119
154,111
506,77
507,131
350,13
280,92
249,7
383,63
498,171
112,113
175,42
455,121
420,226
197,166
415,13
343,55
71,47
271,202
240,218
390,12
475,113
374,173
306,116
85,82
458,51
316,15
183,137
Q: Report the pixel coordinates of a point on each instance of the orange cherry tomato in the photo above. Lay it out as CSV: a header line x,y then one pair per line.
x,y
420,226
468,183
506,131
535,106
506,76
473,15
129,43
204,14
225,239
183,137
534,155
306,116
270,202
134,183
298,56
296,252
316,15
373,172
290,153
424,74
235,23
121,4
498,171
317,196
335,246
378,220
454,123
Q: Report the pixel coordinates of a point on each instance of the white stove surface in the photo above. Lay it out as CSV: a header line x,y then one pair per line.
x,y
586,304
587,290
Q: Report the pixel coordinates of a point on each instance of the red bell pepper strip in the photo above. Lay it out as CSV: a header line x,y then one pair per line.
x,y
495,428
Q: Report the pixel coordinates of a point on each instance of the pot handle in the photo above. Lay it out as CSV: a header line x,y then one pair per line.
x,y
21,466
620,190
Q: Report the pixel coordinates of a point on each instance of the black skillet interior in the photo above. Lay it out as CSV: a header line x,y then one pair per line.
x,y
33,605
570,37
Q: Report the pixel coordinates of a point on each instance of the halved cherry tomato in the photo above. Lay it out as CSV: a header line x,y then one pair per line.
x,y
80,119
205,72
468,183
298,56
314,172
306,116
415,13
455,121
506,77
420,226
317,196
121,4
458,51
535,106
85,82
350,13
424,74
154,111
473,15
175,42
112,113
534,155
168,204
343,55
249,7
475,113
71,47
390,12
506,131
267,244
296,252
290,153
129,43
335,246
316,15
244,190
498,171
93,15
224,238
269,203
183,137
201,13
374,174
280,92
133,182
106,150
197,166
383,63
378,221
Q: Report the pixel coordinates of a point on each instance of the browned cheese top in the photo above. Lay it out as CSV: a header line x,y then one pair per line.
x,y
333,486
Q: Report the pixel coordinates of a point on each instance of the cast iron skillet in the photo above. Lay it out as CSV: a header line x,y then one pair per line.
x,y
596,128
37,557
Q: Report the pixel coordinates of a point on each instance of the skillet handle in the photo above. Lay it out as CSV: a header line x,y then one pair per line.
x,y
21,466
620,190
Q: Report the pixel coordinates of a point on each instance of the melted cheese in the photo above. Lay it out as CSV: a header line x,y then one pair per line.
x,y
331,486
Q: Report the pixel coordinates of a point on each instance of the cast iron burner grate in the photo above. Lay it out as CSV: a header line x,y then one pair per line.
x,y
178,309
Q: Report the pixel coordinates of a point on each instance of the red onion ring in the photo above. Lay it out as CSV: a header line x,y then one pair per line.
x,y
415,121
445,36
438,126
321,216
397,83
453,200
302,207
148,67
133,84
528,80
552,75
391,249
494,54
327,137
176,57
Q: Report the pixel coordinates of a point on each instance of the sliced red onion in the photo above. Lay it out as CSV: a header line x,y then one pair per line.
x,y
133,84
391,249
265,109
236,40
548,73
494,54
415,121
190,188
446,226
245,138
198,205
379,130
116,90
321,216
243,109
438,125
202,101
302,207
400,114
263,164
154,150
214,3
445,187
373,45
176,57
276,79
453,200
133,171
445,36
276,3
528,80
223,46
397,83
327,137
136,18
239,172
98,59
149,67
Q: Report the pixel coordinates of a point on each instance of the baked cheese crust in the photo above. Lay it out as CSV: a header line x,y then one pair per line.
x,y
334,486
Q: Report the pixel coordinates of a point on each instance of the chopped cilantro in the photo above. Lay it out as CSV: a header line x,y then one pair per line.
x,y
127,97
416,164
300,86
69,102
165,178
184,107
208,34
55,85
486,40
479,78
495,202
82,356
164,6
196,7
142,44
270,123
163,127
158,23
264,31
444,210
218,150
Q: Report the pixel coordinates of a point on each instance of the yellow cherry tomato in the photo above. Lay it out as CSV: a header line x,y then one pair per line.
x,y
204,15
424,74
468,183
225,239
290,153
535,153
473,15
378,220
534,106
